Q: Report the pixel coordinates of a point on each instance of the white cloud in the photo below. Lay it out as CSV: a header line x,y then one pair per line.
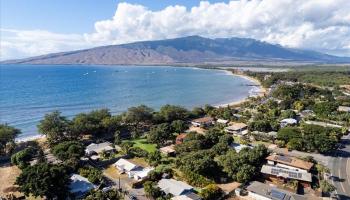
x,y
26,43
322,25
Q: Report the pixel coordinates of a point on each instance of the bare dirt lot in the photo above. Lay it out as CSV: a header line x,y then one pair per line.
x,y
8,176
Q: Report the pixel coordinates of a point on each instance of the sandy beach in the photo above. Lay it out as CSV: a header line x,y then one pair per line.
x,y
261,91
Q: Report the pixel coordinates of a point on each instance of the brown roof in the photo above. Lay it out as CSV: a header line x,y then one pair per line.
x,y
236,126
203,120
290,161
180,138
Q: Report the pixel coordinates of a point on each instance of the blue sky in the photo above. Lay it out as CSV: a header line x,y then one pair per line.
x,y
36,27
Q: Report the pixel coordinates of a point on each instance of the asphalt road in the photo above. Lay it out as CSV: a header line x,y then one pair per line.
x,y
341,170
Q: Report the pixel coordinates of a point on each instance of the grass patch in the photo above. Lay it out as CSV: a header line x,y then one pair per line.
x,y
143,144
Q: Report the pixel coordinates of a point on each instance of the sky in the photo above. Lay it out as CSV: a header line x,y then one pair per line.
x,y
36,27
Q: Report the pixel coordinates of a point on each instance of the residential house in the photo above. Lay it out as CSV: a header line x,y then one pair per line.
x,y
281,169
204,121
125,166
288,122
283,175
93,149
133,170
289,162
238,147
238,129
180,138
175,187
168,150
79,185
140,174
222,121
344,109
262,191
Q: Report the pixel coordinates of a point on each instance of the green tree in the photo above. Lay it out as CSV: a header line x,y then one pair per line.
x,y
152,190
139,114
54,127
44,180
245,173
288,133
171,113
104,195
160,133
92,174
323,109
326,186
68,150
126,146
7,136
211,192
179,126
92,123
23,157
154,158
295,144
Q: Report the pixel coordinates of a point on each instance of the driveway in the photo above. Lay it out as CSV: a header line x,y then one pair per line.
x,y
123,182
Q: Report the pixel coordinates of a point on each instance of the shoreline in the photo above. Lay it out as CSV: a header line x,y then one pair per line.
x,y
258,91
262,91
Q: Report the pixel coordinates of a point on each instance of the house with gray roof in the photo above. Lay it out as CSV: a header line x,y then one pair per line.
x,y
79,185
93,148
174,187
262,191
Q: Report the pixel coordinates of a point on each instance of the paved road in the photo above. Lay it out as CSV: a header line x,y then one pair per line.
x,y
340,170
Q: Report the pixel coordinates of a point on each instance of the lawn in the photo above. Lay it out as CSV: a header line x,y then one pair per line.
x,y
143,144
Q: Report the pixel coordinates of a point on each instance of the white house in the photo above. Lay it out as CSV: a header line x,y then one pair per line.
x,y
98,148
288,121
125,166
204,121
222,121
140,175
80,185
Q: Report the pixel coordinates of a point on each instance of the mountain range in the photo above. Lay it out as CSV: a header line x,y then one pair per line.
x,y
191,49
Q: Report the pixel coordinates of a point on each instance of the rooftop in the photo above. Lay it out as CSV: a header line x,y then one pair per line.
x,y
98,148
286,173
344,108
125,164
291,161
174,187
168,149
272,192
80,184
203,120
236,126
289,121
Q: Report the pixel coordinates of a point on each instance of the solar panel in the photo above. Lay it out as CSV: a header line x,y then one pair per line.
x,y
284,159
275,171
277,194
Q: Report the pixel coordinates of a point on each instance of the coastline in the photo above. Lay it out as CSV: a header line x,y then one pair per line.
x,y
262,91
255,90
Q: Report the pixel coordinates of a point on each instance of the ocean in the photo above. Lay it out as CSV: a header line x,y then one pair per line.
x,y
28,92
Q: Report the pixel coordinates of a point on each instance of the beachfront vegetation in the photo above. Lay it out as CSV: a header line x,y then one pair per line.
x,y
7,138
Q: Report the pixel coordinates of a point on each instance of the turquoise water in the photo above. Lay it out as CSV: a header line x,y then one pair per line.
x,y
28,92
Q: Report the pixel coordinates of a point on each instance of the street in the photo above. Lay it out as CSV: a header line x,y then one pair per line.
x,y
340,169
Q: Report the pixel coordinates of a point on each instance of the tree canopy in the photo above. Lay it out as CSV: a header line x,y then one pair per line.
x,y
44,180
7,135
